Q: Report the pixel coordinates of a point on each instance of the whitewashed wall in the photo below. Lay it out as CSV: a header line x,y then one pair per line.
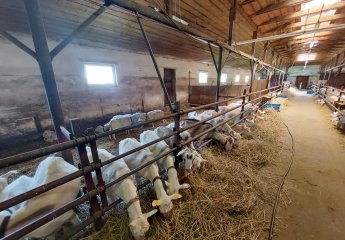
x,y
22,94
313,71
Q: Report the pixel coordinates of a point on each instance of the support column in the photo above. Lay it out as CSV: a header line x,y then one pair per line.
x,y
232,17
219,74
252,65
155,64
44,61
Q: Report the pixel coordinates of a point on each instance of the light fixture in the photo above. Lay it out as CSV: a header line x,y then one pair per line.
x,y
177,19
306,57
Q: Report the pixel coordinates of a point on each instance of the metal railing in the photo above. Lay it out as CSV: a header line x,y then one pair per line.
x,y
324,96
92,189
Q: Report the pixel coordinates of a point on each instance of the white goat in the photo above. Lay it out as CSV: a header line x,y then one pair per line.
x,y
190,157
126,190
50,169
150,172
223,128
167,162
320,101
155,114
138,117
4,179
119,121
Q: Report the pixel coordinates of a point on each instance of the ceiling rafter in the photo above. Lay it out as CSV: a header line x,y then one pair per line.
x,y
290,17
276,6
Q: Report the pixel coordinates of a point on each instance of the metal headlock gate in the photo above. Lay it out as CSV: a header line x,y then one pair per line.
x,y
92,189
323,95
44,58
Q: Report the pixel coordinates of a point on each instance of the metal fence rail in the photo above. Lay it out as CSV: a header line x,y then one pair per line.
x,y
92,190
324,97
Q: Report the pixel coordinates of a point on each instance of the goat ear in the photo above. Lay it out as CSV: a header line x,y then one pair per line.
x,y
151,213
175,196
156,203
167,183
184,186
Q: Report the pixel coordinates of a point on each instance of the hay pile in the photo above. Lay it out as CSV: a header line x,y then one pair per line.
x,y
230,198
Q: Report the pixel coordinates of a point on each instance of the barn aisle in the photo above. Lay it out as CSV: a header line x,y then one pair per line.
x,y
316,181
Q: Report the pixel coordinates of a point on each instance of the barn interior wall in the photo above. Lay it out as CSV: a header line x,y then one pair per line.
x,y
22,94
313,71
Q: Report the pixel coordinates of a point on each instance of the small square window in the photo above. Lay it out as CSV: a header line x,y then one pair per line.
x,y
203,77
223,78
237,78
99,74
246,79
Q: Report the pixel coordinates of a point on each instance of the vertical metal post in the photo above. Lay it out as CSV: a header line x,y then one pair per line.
x,y
38,124
341,93
189,87
177,120
155,64
96,160
90,185
232,18
219,74
243,101
44,61
84,163
252,64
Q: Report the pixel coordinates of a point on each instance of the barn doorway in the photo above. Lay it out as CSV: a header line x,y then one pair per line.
x,y
302,82
170,83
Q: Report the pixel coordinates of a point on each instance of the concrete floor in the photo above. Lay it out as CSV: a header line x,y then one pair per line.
x,y
316,181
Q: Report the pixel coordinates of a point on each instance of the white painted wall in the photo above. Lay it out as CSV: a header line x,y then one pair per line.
x,y
22,94
313,71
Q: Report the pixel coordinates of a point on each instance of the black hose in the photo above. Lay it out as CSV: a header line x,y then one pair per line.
x,y
274,212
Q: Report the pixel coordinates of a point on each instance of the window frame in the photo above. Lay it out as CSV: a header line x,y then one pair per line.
x,y
108,64
206,77
239,78
226,78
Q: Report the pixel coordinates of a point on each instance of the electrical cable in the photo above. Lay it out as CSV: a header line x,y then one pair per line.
x,y
274,212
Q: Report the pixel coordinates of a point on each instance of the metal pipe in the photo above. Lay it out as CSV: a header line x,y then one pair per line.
x,y
232,17
80,28
330,69
219,74
213,58
155,64
291,34
43,58
18,43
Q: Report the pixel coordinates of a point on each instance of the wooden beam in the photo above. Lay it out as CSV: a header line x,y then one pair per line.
x,y
310,21
279,5
290,17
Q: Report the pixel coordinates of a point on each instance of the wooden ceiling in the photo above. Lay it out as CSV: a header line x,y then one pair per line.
x,y
282,16
118,29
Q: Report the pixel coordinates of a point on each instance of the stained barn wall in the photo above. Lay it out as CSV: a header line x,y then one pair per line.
x,y
22,95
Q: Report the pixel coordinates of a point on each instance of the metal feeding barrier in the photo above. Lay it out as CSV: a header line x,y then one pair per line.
x,y
324,95
92,189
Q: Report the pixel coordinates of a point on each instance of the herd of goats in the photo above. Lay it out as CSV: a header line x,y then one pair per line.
x,y
337,117
54,167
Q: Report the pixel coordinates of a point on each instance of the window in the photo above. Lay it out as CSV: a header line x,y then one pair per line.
x,y
203,77
223,78
100,73
246,79
237,78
